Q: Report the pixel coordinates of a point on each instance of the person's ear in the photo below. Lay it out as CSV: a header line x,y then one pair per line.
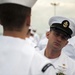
x,y
28,20
47,34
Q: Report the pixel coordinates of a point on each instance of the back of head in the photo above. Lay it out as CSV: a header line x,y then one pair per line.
x,y
13,13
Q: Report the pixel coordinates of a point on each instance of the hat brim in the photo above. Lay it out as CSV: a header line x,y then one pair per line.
x,y
60,27
59,30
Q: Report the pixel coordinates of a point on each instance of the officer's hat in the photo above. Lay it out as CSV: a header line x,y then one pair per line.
x,y
63,24
28,3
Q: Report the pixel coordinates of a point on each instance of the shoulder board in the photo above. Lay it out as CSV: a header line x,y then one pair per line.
x,y
46,67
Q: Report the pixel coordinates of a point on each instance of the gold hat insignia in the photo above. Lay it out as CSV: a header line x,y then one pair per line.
x,y
65,24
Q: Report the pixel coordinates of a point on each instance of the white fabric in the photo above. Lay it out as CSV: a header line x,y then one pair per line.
x,y
72,41
43,43
17,57
69,50
39,64
28,3
30,42
59,19
36,37
33,40
69,68
43,36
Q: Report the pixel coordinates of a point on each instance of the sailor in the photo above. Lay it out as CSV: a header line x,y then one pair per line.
x,y
17,57
61,29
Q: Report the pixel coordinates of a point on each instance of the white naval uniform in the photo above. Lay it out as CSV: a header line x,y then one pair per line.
x,y
63,61
69,49
43,43
30,42
36,37
19,58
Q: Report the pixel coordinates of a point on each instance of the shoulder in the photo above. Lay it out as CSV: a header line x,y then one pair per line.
x,y
69,60
41,63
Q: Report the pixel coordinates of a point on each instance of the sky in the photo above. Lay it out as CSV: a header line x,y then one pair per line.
x,y
42,11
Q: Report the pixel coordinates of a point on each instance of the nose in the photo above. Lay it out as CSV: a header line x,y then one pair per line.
x,y
60,38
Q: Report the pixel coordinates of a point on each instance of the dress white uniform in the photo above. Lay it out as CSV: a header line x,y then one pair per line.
x,y
19,58
64,63
31,43
36,37
69,49
43,43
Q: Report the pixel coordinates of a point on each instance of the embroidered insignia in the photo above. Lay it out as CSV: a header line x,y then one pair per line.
x,y
46,67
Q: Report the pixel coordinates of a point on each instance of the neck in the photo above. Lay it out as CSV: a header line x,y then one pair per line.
x,y
15,34
51,54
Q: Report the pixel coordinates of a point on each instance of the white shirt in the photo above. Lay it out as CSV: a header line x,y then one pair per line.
x,y
63,63
17,57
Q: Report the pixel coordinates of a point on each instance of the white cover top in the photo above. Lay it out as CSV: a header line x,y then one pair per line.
x,y
28,3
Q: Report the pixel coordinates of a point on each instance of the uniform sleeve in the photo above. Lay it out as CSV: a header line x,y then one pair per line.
x,y
41,66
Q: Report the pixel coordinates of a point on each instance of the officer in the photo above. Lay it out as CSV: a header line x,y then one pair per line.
x,y
61,29
17,57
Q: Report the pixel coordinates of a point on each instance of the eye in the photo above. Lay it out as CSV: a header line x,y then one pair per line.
x,y
56,33
64,37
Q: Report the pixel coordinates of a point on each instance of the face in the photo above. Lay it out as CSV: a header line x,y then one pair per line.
x,y
56,41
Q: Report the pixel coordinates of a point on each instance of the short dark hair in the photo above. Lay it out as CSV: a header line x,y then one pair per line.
x,y
13,16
